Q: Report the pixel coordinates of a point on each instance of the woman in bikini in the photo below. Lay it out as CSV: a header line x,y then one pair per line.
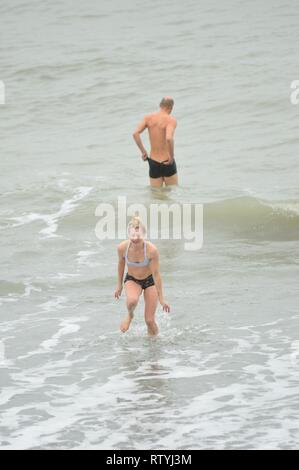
x,y
142,259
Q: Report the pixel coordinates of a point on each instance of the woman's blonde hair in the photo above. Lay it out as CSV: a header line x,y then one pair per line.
x,y
136,222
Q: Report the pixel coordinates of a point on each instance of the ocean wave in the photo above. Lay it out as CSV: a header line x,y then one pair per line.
x,y
17,290
252,217
54,70
51,220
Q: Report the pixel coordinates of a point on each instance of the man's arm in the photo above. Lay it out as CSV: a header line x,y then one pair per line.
x,y
136,135
169,138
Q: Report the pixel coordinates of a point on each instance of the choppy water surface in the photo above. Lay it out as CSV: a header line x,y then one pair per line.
x,y
224,371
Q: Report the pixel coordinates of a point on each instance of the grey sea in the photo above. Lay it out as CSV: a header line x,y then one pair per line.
x,y
76,78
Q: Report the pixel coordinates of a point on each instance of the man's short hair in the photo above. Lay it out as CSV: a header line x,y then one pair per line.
x,y
167,102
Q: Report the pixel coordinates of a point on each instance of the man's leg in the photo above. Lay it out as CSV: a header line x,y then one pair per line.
x,y
171,180
156,182
151,301
133,291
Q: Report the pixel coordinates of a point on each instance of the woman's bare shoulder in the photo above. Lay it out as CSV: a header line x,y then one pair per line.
x,y
151,248
122,246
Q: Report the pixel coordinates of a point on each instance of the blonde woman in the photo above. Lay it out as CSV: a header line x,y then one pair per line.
x,y
142,259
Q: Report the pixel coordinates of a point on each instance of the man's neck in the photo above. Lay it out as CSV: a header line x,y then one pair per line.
x,y
164,111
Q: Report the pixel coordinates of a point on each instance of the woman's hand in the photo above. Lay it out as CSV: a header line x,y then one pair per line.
x,y
118,292
165,306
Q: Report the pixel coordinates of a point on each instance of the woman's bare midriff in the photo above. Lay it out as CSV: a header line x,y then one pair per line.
x,y
139,273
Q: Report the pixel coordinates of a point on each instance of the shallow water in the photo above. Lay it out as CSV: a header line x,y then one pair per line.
x,y
224,371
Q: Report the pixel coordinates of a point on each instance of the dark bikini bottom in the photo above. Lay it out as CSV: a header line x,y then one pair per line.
x,y
144,283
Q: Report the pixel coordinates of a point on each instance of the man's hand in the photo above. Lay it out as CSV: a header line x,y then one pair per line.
x,y
118,292
168,162
144,155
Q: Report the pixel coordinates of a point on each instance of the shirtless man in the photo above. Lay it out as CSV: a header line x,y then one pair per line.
x,y
161,127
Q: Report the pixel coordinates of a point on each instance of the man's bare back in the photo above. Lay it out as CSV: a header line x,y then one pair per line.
x,y
161,127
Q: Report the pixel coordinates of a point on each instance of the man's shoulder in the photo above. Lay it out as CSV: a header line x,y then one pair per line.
x,y
150,115
172,120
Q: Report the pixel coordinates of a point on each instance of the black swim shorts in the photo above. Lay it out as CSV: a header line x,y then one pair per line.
x,y
161,170
144,283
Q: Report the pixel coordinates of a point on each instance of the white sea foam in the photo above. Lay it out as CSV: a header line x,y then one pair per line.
x,y
83,258
54,304
223,372
51,220
64,275
66,329
66,208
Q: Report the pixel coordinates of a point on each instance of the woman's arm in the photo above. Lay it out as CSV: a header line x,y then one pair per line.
x,y
155,269
120,271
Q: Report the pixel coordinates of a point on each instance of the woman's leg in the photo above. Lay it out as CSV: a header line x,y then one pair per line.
x,y
151,301
133,291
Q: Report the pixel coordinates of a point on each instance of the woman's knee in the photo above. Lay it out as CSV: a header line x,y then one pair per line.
x,y
132,301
